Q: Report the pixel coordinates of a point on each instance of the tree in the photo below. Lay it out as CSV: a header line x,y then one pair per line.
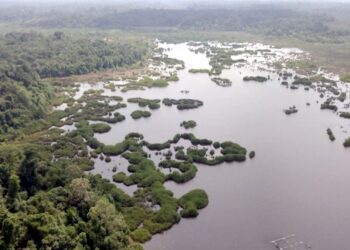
x,y
28,172
12,191
108,229
80,194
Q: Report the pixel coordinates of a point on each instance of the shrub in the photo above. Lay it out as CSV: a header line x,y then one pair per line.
x,y
108,159
100,128
193,200
347,143
255,78
119,177
302,81
141,235
328,105
137,114
330,134
345,115
188,124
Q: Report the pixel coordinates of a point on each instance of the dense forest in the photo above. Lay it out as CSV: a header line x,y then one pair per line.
x,y
269,19
27,58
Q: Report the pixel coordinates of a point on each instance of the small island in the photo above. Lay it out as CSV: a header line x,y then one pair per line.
x,y
255,78
137,114
188,124
291,110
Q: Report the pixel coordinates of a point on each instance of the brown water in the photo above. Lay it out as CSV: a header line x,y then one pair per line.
x,y
298,183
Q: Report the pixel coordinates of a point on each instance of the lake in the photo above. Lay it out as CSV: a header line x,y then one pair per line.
x,y
298,183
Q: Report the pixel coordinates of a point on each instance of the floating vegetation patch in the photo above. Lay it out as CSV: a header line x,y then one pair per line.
x,y
302,81
291,110
100,128
329,105
345,115
347,143
142,102
222,82
188,124
330,134
255,78
183,103
137,114
195,71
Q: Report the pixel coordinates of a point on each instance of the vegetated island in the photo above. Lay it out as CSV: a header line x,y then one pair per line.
x,y
137,114
183,104
222,82
188,124
291,110
330,134
255,78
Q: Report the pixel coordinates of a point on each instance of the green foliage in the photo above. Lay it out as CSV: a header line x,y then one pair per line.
x,y
195,71
305,65
188,124
119,177
302,81
345,115
291,110
145,173
345,78
148,82
328,105
255,78
107,228
222,82
141,235
28,57
13,189
101,128
70,55
251,154
193,200
347,143
183,103
137,114
330,134
142,102
187,171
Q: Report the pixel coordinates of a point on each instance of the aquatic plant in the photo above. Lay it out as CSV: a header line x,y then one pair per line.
x,y
255,78
188,124
330,134
192,201
101,128
137,114
291,110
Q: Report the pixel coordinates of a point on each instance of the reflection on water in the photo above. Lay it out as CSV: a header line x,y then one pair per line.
x,y
297,184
